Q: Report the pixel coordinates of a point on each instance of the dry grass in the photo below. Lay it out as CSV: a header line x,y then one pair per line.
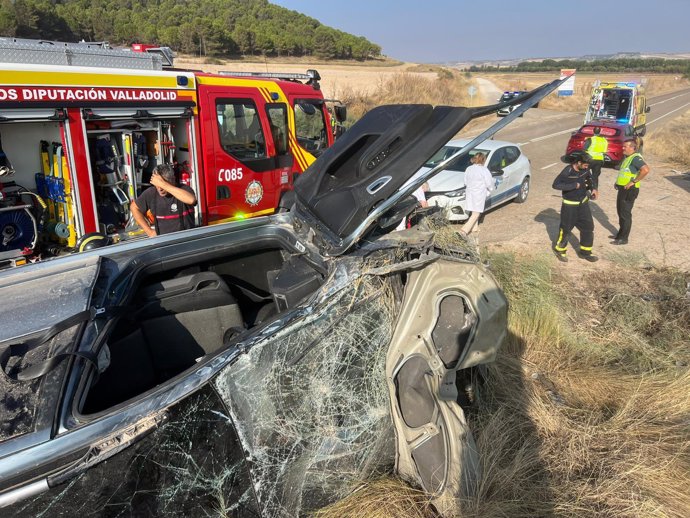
x,y
187,59
586,411
671,143
382,498
406,87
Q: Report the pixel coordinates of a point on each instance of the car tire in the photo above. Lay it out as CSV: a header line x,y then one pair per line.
x,y
523,193
642,131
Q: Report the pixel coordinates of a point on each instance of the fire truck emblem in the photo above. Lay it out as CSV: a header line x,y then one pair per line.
x,y
254,193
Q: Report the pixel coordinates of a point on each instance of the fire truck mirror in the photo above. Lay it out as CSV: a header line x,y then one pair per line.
x,y
340,113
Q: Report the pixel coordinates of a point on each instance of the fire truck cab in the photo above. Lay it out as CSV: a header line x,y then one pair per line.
x,y
83,126
621,102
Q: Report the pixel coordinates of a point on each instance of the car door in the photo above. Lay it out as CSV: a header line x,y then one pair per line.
x,y
242,177
496,165
512,169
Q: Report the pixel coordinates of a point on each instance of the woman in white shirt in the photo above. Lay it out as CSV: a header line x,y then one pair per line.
x,y
478,184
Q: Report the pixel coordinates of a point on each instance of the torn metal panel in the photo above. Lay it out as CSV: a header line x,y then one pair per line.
x,y
453,317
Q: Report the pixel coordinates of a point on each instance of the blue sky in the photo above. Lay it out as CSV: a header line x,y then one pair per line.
x,y
458,30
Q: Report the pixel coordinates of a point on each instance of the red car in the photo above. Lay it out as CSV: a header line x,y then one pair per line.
x,y
614,132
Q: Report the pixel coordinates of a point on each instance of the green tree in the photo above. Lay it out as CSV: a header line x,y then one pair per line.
x,y
8,18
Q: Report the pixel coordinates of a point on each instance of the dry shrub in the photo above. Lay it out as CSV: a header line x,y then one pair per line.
x,y
404,88
587,413
671,142
382,498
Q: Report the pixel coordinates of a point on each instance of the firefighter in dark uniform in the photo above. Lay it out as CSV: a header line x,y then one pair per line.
x,y
578,186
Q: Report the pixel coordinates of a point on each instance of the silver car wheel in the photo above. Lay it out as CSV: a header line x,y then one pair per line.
x,y
524,191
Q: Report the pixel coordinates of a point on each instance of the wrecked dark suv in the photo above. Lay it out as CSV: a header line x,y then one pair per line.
x,y
255,368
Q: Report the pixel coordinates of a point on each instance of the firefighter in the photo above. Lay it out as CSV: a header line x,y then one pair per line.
x,y
631,171
596,147
578,186
170,204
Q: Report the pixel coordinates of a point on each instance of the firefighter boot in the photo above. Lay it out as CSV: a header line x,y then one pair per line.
x,y
560,255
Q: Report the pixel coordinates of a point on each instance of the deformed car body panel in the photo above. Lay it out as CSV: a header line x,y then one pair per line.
x,y
452,318
302,389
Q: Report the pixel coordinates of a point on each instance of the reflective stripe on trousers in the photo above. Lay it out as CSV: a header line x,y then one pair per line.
x,y
576,214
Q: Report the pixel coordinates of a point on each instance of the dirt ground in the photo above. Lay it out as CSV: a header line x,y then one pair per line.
x,y
660,232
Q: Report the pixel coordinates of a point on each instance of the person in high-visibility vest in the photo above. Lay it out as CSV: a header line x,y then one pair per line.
x,y
578,186
632,170
596,147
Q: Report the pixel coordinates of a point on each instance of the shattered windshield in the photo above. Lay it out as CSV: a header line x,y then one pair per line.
x,y
311,404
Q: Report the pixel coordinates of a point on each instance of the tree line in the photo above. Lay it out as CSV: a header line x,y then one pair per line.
x,y
658,65
220,28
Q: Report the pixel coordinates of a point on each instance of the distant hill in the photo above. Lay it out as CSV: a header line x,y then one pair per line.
x,y
619,62
201,27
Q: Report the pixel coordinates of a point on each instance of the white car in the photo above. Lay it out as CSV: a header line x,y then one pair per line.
x,y
509,167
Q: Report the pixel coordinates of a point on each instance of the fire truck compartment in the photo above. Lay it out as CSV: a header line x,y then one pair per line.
x,y
123,153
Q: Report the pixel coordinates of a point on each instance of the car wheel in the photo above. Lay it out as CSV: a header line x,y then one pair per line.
x,y
523,192
642,131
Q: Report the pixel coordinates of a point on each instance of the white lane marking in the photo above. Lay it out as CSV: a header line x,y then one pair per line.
x,y
550,165
537,139
669,113
669,99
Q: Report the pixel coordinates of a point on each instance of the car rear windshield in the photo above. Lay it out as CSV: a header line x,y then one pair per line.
x,y
603,131
459,164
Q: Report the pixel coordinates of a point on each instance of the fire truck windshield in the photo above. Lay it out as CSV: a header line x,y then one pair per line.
x,y
310,125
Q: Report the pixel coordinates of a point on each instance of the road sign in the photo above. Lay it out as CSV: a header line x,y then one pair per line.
x,y
472,90
568,87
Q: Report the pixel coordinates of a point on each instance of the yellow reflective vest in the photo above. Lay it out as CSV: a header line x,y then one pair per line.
x,y
597,147
625,174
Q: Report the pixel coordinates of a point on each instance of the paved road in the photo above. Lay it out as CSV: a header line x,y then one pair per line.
x,y
543,135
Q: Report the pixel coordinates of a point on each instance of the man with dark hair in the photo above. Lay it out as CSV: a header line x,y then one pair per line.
x,y
170,205
631,171
578,186
596,147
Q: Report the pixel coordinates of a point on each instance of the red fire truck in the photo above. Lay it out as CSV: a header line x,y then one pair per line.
x,y
83,125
